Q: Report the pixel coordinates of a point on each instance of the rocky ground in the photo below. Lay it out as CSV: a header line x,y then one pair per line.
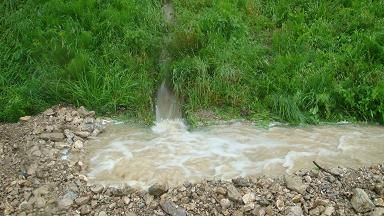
x,y
36,179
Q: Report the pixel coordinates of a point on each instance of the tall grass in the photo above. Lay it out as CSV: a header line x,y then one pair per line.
x,y
294,60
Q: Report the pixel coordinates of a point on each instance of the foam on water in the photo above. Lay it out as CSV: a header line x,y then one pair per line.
x,y
169,153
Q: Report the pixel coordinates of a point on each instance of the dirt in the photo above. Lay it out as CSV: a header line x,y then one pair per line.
x,y
37,179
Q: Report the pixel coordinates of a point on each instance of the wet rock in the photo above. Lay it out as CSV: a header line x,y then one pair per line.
x,y
294,183
294,211
25,118
97,188
85,209
82,134
241,182
248,198
225,203
157,189
361,202
233,194
172,209
52,136
95,132
82,200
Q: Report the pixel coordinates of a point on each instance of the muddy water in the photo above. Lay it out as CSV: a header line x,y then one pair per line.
x,y
169,153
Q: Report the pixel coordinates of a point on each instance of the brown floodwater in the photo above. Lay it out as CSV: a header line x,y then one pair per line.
x,y
169,153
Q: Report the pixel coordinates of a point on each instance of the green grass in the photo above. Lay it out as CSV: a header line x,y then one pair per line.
x,y
288,60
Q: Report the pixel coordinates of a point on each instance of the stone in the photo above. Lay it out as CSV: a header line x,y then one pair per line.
x,y
329,210
378,212
82,200
221,190
157,189
40,202
379,189
172,209
361,202
97,188
294,183
297,198
102,213
280,204
241,182
294,211
25,206
126,200
233,194
379,202
65,203
248,198
82,134
56,137
95,132
78,144
85,209
249,207
225,203
25,118
317,211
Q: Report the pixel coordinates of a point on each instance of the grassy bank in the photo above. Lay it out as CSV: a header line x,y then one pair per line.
x,y
295,61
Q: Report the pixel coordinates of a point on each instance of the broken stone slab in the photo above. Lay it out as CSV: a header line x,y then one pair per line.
x,y
295,183
52,136
361,202
172,209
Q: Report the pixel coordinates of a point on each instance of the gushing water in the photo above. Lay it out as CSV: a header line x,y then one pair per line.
x,y
169,153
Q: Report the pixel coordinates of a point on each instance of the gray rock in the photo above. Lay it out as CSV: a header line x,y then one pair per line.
x,y
233,194
85,209
294,211
361,202
83,134
248,198
378,212
172,209
102,213
25,118
329,210
78,144
225,203
294,183
97,188
82,200
241,182
25,206
157,189
52,136
40,202
65,203
249,207
221,190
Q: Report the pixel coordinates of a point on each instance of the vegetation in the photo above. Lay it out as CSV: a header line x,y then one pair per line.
x,y
291,60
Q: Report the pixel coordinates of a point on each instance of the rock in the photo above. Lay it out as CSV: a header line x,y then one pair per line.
x,y
82,134
85,209
221,190
379,202
329,210
78,145
65,203
25,118
172,209
241,182
361,202
52,136
317,211
95,132
379,189
294,211
97,188
40,202
102,213
233,194
248,198
238,213
126,200
249,207
280,204
294,183
82,200
32,169
320,202
157,189
112,205
25,206
49,112
297,198
225,203
378,212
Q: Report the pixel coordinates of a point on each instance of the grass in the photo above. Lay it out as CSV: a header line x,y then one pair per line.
x,y
288,60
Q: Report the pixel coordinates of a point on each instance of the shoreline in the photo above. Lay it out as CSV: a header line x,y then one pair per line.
x,y
36,181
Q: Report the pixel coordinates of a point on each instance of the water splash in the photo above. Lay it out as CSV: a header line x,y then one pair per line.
x,y
167,105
